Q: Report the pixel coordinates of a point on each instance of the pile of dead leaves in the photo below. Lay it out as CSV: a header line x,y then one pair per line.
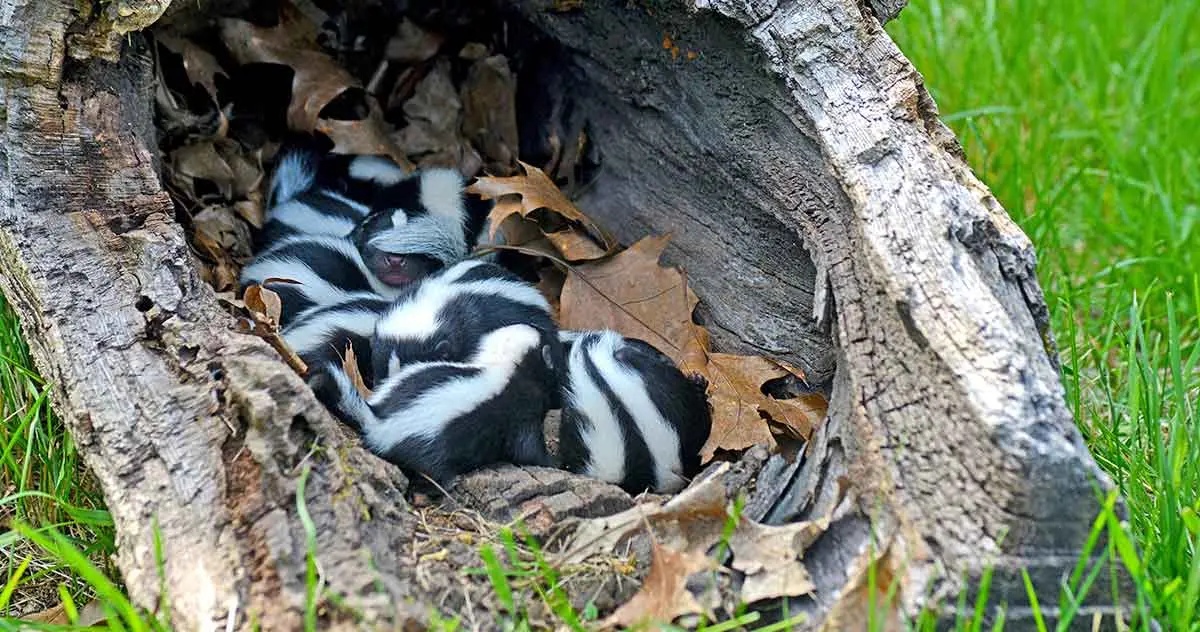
x,y
231,88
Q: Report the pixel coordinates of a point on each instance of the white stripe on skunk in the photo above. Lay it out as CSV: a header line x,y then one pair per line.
x,y
630,417
446,418
446,316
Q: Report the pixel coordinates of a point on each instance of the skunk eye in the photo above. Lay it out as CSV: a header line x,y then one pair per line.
x,y
547,358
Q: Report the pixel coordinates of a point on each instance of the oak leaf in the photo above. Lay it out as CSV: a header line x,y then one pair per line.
x,y
633,295
664,594
318,79
536,191
692,524
350,365
739,405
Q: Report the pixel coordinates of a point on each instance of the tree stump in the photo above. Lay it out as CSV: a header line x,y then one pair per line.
x,y
825,215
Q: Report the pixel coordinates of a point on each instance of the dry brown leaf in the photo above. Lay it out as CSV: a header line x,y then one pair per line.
x,y
768,555
247,171
573,245
219,271
318,78
631,294
264,307
693,522
220,226
350,365
92,613
200,161
489,122
664,594
199,64
433,135
412,44
260,299
537,191
252,210
367,136
735,392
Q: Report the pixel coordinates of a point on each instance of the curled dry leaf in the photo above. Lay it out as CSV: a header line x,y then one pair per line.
x,y
691,524
664,594
632,294
536,191
735,392
260,299
573,245
264,307
318,78
350,365
199,64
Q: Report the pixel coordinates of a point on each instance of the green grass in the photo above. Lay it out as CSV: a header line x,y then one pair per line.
x,y
1083,117
42,483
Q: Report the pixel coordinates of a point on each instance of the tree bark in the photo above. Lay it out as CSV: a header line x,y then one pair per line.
x,y
824,214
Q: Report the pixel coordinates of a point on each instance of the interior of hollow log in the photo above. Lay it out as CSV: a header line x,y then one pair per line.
x,y
674,147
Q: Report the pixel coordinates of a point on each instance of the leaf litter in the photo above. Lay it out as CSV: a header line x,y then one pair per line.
x,y
423,102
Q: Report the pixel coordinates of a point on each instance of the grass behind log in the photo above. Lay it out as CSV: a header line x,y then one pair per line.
x,y
1084,118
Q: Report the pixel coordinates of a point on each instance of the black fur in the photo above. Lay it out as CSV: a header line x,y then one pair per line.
x,y
504,425
679,400
469,300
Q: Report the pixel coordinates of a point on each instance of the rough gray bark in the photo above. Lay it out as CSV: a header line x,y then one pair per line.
x,y
802,123
823,212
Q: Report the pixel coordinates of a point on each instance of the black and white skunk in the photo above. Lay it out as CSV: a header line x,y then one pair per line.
x,y
345,225
446,418
315,194
314,270
446,316
630,416
320,334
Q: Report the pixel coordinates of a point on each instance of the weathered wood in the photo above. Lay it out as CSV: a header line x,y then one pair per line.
x,y
824,214
802,123
193,431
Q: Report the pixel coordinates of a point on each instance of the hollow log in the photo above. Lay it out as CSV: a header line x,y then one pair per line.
x,y
825,215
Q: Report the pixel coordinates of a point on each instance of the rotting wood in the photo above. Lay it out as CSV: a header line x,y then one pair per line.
x,y
825,216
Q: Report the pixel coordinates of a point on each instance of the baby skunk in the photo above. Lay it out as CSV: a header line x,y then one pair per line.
x,y
446,317
630,417
315,194
446,418
309,271
320,334
420,224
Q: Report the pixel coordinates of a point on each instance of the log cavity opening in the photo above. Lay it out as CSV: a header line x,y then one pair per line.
x,y
652,126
